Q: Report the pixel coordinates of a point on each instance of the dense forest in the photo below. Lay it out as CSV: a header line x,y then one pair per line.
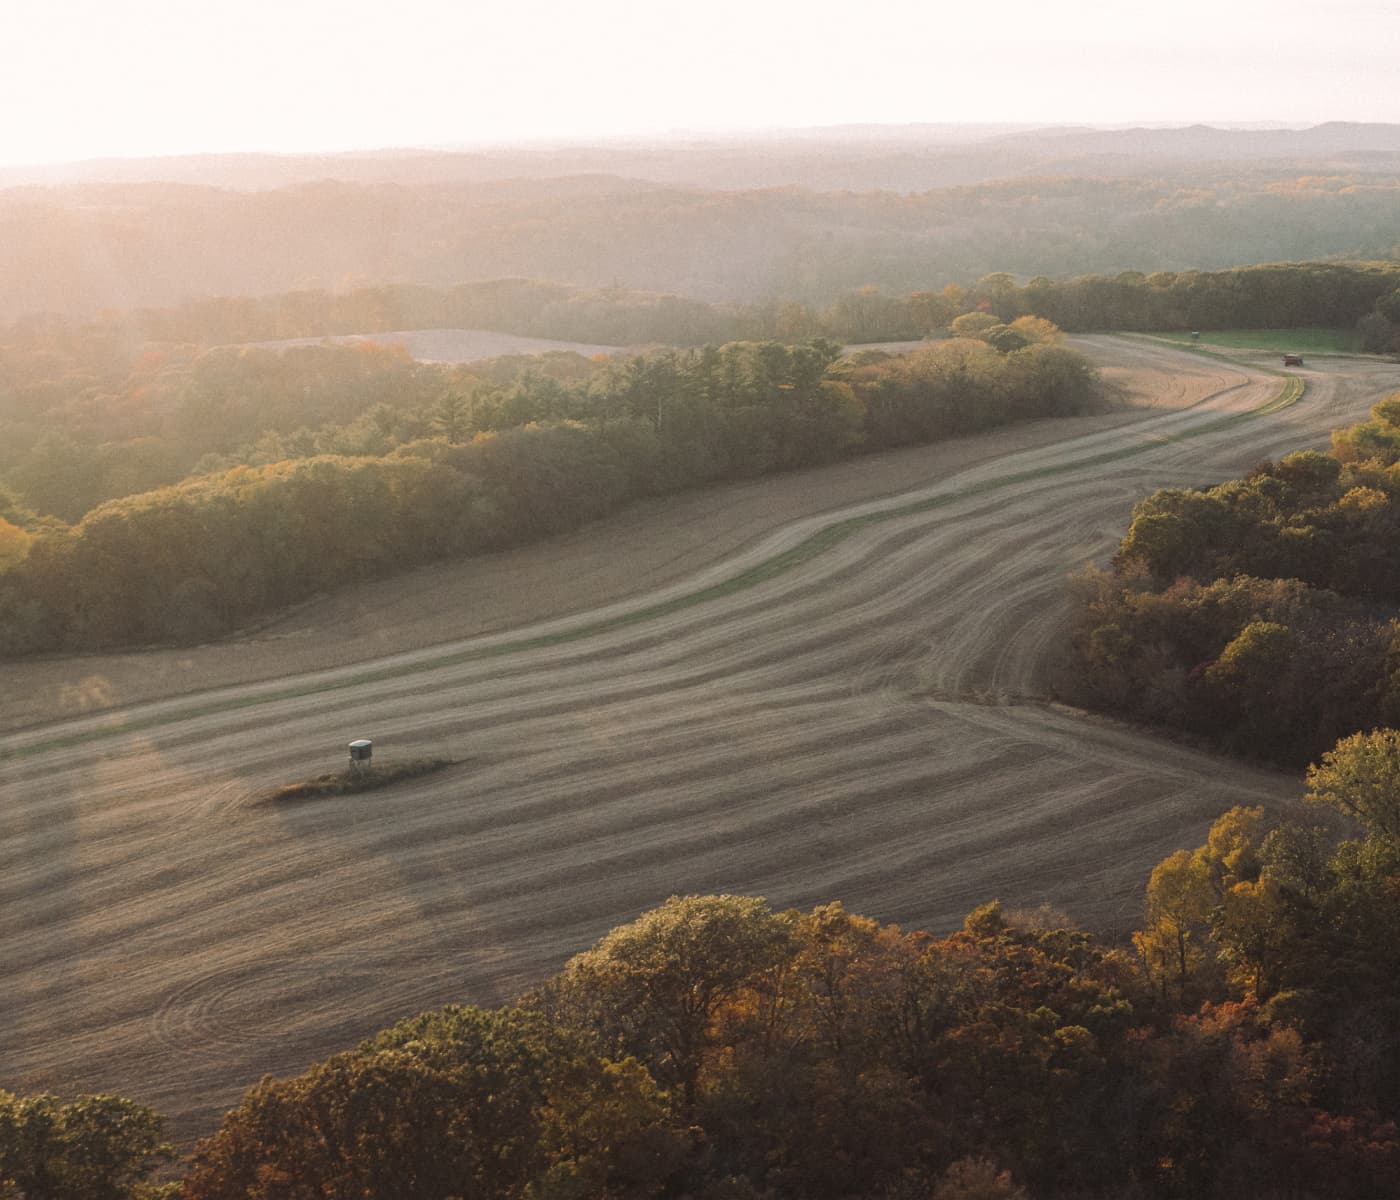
x,y
415,463
1247,1044
1262,614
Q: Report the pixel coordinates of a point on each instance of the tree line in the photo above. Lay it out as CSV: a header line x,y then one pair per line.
x,y
1268,296
1271,295
1246,1042
98,410
93,413
1261,614
279,520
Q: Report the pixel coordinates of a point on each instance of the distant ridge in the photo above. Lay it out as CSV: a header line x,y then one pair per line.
x,y
1207,142
851,158
769,219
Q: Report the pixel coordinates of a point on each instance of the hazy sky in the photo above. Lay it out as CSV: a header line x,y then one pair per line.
x,y
88,78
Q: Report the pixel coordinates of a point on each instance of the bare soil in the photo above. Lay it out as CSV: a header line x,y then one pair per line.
x,y
872,725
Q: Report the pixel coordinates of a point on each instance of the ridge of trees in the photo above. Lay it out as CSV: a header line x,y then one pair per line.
x,y
1262,614
1278,295
1248,1043
281,518
98,410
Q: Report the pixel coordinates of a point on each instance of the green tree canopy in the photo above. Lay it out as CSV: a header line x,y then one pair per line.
x,y
89,1148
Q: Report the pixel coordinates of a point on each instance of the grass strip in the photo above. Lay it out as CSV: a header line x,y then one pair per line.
x,y
1157,339
805,551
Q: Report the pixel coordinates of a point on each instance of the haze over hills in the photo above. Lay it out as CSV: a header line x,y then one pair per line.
x,y
1211,142
787,215
855,157
81,249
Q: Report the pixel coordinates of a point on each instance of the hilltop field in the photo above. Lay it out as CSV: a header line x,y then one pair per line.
x,y
826,684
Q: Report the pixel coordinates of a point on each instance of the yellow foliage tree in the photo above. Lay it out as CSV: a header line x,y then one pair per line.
x,y
14,544
1360,777
1173,945
1252,930
1188,891
1038,330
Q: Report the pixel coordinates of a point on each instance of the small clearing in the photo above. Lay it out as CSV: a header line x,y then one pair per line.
x,y
452,345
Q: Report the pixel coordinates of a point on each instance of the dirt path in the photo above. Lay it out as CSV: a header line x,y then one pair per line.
x,y
864,726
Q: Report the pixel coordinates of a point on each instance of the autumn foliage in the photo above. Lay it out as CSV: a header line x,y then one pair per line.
x,y
1260,614
274,511
717,1048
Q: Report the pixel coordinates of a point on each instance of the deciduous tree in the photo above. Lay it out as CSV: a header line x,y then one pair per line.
x,y
1361,778
89,1148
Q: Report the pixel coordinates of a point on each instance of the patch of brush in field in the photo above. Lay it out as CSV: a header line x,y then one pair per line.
x,y
346,782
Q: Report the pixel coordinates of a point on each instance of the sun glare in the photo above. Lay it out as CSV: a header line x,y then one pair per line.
x,y
150,77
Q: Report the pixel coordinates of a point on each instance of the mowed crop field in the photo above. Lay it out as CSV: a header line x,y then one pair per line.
x,y
817,687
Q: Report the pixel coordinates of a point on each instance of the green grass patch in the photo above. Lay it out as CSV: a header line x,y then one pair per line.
x,y
348,782
1274,341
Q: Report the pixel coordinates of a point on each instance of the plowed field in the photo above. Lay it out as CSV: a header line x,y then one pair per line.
x,y
821,687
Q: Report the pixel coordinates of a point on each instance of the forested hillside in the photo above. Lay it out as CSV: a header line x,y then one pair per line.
x,y
97,410
1245,1045
1260,614
82,249
411,464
